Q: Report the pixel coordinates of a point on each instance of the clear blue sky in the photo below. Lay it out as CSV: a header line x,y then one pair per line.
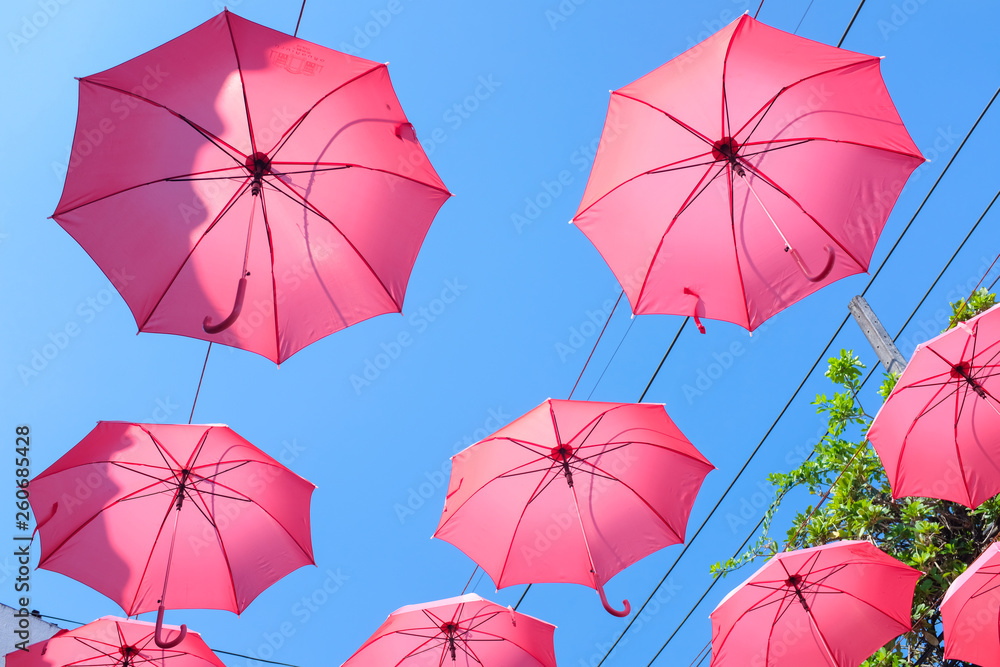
x,y
509,99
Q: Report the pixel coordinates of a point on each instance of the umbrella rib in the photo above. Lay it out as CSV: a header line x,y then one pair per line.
x,y
736,247
960,398
555,424
243,86
767,179
232,201
216,141
767,105
283,139
638,496
517,526
311,207
222,545
373,169
667,114
613,446
690,199
166,179
274,284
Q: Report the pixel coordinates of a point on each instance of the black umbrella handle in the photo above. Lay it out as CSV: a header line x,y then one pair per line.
x,y
241,290
158,636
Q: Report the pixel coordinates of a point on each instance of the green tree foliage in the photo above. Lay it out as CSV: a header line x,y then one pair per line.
x,y
939,538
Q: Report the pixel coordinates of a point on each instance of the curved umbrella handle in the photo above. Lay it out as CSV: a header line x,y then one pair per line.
x,y
158,636
614,612
823,273
237,307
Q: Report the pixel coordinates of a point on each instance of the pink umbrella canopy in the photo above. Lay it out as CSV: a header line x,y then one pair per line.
x,y
190,516
970,612
114,642
572,492
245,187
465,631
833,605
938,433
745,174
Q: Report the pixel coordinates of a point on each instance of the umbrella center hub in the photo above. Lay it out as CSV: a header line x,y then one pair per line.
x,y
964,371
127,652
258,165
727,149
450,630
561,455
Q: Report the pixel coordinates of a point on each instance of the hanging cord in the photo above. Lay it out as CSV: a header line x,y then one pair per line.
x,y
594,349
302,9
198,390
758,9
470,579
665,355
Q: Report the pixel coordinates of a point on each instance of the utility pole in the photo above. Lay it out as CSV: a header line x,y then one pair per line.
x,y
877,336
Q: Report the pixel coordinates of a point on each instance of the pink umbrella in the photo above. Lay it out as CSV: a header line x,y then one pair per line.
x,y
133,504
572,492
745,174
938,433
829,605
114,642
970,612
245,187
466,631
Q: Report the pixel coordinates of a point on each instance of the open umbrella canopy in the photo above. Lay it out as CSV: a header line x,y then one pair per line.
x,y
829,605
572,491
114,642
938,432
132,504
970,612
745,174
465,631
245,187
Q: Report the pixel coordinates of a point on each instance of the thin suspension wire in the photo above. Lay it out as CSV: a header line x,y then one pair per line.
x,y
799,24
665,355
809,373
863,383
248,657
470,579
758,9
613,355
301,9
856,12
198,390
707,591
594,349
